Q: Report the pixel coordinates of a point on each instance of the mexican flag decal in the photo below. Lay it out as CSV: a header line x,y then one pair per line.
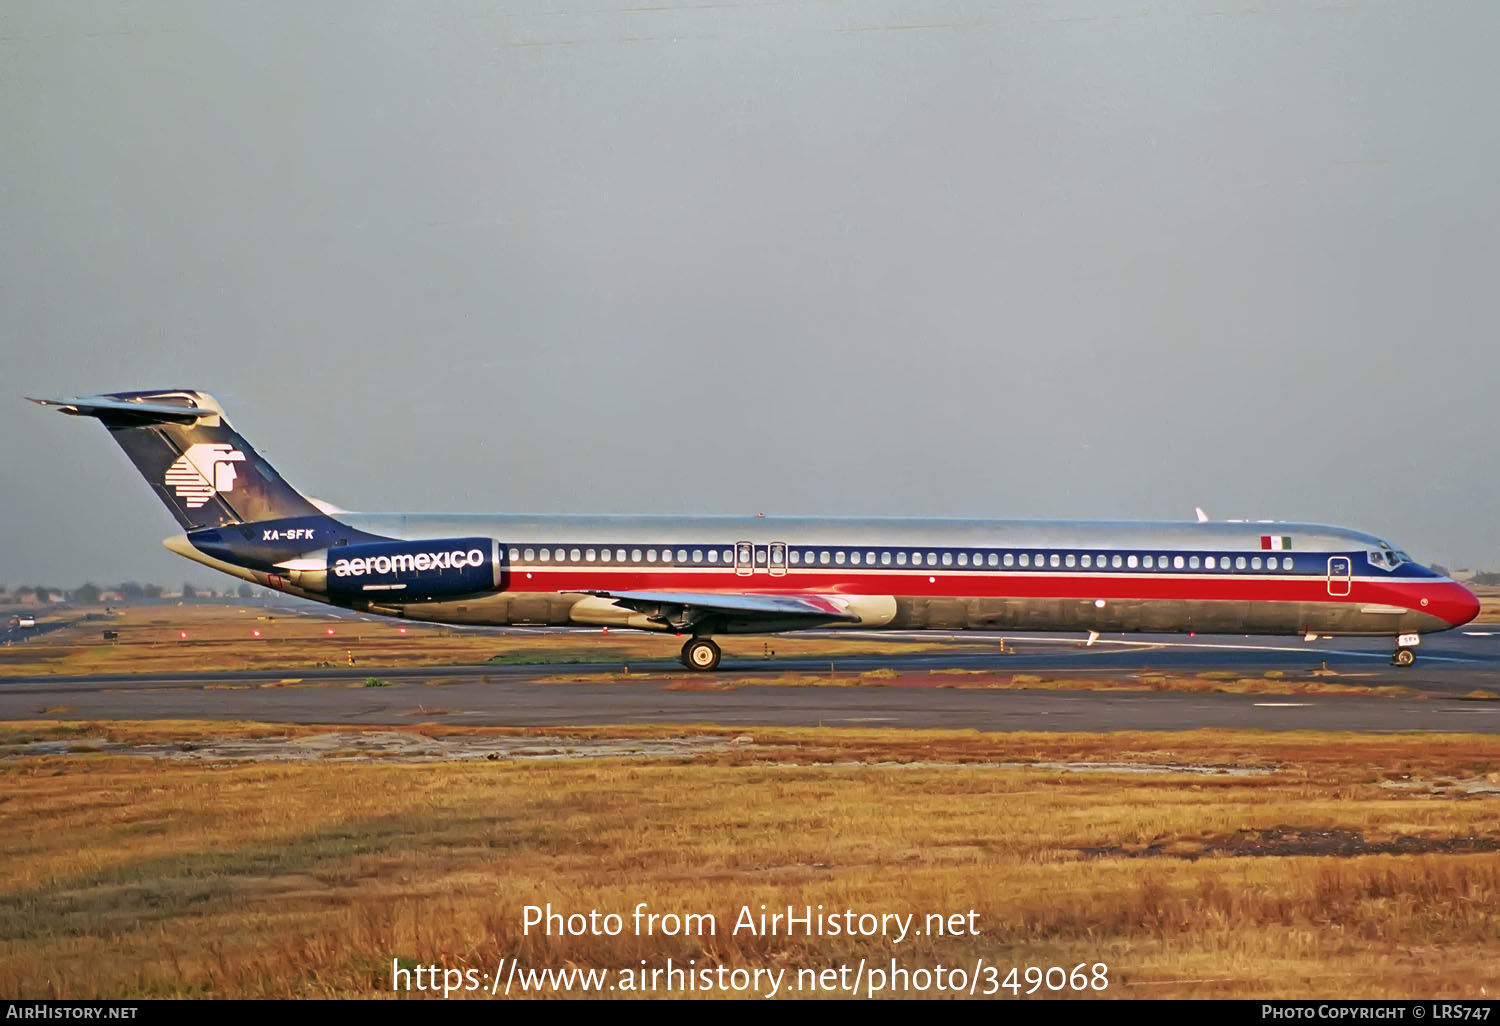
x,y
1275,542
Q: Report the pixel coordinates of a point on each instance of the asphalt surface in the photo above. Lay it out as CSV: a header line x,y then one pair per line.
x,y
1450,667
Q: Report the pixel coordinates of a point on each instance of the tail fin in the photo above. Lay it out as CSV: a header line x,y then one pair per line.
x,y
204,472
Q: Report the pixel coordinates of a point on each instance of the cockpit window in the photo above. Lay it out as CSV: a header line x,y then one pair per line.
x,y
1388,558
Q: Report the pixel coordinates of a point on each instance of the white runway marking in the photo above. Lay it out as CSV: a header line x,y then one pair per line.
x,y
1302,650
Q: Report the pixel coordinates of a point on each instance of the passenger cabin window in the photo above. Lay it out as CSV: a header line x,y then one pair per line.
x,y
932,559
515,554
1088,560
1255,562
530,555
1069,560
824,557
1054,561
838,557
651,555
854,558
575,555
635,555
963,559
885,559
795,557
1177,562
947,559
1010,559
869,559
697,555
900,559
1132,562
992,559
1025,559
713,555
1193,562
1239,562
1147,562
1116,562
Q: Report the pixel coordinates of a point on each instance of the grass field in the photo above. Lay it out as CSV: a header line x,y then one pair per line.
x,y
157,859
161,639
1322,866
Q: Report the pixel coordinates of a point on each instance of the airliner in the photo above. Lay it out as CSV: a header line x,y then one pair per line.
x,y
706,576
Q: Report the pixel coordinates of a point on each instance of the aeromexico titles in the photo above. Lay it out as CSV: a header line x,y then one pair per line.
x,y
703,576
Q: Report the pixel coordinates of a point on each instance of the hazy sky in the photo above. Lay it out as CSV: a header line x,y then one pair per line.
x,y
1005,258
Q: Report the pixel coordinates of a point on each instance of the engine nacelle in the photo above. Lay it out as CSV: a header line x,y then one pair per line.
x,y
412,571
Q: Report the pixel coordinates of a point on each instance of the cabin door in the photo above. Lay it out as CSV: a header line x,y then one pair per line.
x,y
1339,573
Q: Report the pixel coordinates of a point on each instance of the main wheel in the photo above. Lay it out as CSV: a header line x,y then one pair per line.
x,y
1403,657
701,654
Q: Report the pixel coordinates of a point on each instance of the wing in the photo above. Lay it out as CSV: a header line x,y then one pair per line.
x,y
685,610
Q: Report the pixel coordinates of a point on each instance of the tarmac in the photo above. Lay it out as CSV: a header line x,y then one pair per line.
x,y
1445,691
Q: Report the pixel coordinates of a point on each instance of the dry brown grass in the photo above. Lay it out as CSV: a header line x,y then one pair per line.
x,y
124,876
220,636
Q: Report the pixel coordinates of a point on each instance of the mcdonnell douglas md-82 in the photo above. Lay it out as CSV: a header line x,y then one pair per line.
x,y
702,576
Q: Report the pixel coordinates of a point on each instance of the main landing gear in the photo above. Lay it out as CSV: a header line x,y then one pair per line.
x,y
701,654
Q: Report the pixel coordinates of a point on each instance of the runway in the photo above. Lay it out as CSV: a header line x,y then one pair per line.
x,y
1451,666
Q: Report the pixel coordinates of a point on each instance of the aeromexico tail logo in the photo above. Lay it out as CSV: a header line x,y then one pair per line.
x,y
407,561
203,471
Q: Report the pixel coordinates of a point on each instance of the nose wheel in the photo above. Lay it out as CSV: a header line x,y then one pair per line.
x,y
701,654
1403,657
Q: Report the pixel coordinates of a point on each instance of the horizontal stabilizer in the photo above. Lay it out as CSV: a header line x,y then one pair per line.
x,y
124,410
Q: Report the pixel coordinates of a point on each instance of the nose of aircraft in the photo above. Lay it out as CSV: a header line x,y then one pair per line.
x,y
1454,603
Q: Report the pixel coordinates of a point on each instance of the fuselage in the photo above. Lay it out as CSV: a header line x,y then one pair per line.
x,y
701,576
1215,577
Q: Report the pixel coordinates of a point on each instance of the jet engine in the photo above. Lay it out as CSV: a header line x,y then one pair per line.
x,y
403,571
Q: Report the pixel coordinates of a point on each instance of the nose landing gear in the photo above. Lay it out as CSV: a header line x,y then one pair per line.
x,y
1405,653
700,654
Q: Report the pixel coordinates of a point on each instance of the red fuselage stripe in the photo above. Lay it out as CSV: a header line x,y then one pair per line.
x,y
1407,594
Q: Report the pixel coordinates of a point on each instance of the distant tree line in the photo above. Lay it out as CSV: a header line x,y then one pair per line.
x,y
91,594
